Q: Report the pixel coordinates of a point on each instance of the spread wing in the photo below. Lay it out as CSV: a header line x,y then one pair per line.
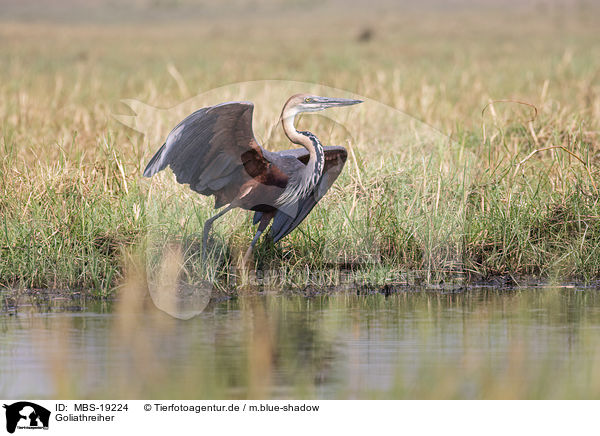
x,y
213,150
335,158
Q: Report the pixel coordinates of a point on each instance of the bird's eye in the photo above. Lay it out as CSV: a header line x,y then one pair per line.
x,y
307,100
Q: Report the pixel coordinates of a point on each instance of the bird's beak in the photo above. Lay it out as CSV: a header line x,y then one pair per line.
x,y
327,102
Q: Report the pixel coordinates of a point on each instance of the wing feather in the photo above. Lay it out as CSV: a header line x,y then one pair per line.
x,y
213,150
284,223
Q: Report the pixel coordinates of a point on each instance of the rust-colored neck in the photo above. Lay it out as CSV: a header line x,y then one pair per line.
x,y
303,182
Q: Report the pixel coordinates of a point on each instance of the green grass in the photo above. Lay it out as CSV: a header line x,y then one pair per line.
x,y
74,211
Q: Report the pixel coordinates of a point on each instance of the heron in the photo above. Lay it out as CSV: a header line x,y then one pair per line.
x,y
214,151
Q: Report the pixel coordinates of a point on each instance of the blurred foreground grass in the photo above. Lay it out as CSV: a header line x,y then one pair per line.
x,y
531,343
73,208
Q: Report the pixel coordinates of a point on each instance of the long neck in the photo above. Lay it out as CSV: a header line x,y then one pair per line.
x,y
311,173
305,139
287,121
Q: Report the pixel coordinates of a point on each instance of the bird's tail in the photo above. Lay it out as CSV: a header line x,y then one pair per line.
x,y
156,163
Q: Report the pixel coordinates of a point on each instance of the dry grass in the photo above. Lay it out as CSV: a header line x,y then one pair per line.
x,y
73,208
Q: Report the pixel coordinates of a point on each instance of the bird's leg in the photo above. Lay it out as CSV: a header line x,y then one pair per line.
x,y
264,222
251,248
207,225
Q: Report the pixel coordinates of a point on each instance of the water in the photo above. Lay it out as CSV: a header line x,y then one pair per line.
x,y
483,343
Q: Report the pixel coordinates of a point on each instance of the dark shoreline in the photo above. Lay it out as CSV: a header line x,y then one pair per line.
x,y
67,300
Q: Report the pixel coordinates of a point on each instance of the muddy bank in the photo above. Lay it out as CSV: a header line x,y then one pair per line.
x,y
13,301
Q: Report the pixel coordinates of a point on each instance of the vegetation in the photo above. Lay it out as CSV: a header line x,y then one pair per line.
x,y
486,170
514,194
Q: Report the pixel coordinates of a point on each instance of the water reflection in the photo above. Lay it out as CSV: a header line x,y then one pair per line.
x,y
484,343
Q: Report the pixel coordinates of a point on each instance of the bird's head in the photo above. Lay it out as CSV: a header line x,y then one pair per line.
x,y
313,103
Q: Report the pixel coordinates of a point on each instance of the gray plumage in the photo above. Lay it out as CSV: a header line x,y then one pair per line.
x,y
284,223
214,151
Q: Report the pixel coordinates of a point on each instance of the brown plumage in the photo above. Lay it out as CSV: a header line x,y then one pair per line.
x,y
214,151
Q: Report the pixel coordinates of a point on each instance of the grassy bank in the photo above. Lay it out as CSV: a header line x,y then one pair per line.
x,y
515,194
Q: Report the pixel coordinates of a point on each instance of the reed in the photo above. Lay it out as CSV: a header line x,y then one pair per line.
x,y
73,207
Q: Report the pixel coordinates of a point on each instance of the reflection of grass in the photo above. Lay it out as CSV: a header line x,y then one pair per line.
x,y
533,343
72,206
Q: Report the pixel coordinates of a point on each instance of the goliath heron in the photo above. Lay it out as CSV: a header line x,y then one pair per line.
x,y
215,152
